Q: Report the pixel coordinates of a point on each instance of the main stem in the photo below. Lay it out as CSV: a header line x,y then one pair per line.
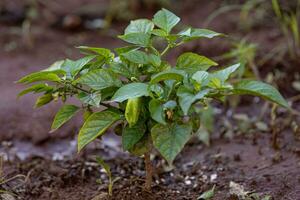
x,y
148,168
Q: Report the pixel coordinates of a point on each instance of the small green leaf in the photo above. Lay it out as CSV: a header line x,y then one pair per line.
x,y
260,89
73,67
142,39
154,60
139,26
138,57
165,20
201,77
99,79
157,111
131,135
95,126
170,74
207,195
132,111
131,90
92,99
224,74
159,32
187,97
43,100
106,53
55,66
192,62
170,140
125,49
41,87
64,114
196,33
40,76
123,69
104,165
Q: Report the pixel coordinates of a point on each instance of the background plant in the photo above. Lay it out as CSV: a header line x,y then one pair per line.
x,y
150,103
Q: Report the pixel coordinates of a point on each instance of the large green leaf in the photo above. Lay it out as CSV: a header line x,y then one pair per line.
x,y
224,74
64,114
138,57
157,111
99,79
196,33
139,26
192,62
41,87
187,97
169,140
95,126
260,89
130,91
40,76
142,39
170,74
131,135
92,99
165,20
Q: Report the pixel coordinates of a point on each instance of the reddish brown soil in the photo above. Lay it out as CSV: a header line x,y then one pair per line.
x,y
247,159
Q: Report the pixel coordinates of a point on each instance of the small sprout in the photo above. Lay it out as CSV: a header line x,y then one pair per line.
x,y
208,194
108,172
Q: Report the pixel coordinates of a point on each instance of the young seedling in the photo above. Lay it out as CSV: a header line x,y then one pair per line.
x,y
107,170
147,101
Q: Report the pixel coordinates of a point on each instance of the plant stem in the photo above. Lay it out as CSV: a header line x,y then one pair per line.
x,y
166,50
148,168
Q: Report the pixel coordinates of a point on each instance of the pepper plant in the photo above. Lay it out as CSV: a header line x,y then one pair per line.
x,y
147,101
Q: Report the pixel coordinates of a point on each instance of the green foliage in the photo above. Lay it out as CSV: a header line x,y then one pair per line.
x,y
154,104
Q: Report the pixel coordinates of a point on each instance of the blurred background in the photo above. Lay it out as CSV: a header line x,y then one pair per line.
x,y
262,34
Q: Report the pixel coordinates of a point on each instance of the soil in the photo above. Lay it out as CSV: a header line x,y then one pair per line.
x,y
53,170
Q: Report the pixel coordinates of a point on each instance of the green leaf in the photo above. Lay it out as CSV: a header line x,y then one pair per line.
x,y
125,49
224,74
208,194
260,89
170,140
104,165
131,135
130,91
157,111
165,20
95,126
159,32
64,114
142,39
170,74
196,33
142,146
106,53
187,97
132,111
73,67
139,26
41,87
154,60
40,76
43,100
99,79
201,77
92,99
192,62
138,57
55,66
124,70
